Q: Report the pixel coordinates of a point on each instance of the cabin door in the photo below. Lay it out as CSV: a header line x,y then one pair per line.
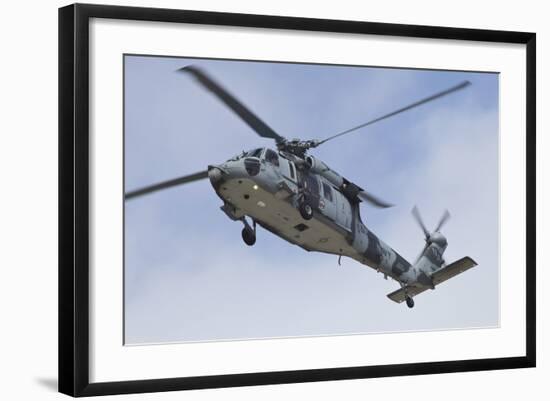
x,y
311,186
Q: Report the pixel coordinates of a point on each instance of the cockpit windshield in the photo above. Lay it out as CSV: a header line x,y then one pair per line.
x,y
255,153
251,153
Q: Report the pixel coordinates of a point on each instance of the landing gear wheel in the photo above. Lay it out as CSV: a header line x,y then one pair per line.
x,y
249,237
306,210
410,302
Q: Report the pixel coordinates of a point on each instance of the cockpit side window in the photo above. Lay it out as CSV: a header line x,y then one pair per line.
x,y
272,157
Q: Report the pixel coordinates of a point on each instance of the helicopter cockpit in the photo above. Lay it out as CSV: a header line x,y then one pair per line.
x,y
266,154
251,153
253,159
254,153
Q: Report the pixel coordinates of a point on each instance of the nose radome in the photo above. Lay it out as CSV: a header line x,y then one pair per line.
x,y
215,174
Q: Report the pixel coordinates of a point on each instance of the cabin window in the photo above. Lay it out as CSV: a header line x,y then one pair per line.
x,y
272,157
327,190
292,171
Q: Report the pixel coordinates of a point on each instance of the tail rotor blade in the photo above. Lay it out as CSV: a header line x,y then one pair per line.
x,y
446,216
418,219
422,253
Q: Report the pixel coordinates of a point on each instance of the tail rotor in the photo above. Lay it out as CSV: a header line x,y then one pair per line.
x,y
435,235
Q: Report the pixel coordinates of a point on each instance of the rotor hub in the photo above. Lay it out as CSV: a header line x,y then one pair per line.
x,y
438,238
296,146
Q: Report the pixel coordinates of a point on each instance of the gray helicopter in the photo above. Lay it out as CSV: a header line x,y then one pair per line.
x,y
302,200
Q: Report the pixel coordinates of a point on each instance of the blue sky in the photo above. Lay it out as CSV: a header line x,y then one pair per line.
x,y
189,276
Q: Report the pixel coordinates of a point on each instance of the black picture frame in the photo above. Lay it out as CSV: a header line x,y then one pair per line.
x,y
74,199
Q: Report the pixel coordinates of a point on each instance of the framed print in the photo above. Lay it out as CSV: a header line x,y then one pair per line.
x,y
249,199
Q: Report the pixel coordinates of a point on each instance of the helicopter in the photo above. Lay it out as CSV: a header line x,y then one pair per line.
x,y
299,198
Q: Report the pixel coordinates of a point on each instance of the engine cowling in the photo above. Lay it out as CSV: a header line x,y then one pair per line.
x,y
319,167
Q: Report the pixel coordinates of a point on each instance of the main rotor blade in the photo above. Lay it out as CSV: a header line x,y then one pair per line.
x,y
373,200
230,101
166,184
438,95
446,216
418,219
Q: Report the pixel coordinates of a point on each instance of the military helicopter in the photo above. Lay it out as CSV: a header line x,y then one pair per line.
x,y
299,198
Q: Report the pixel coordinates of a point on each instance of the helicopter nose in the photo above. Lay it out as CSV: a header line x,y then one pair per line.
x,y
215,174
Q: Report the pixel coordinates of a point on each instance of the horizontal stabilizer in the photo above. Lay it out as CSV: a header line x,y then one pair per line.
x,y
454,269
401,294
438,277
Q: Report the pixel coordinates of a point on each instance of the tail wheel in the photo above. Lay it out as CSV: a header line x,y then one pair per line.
x,y
249,237
410,302
306,211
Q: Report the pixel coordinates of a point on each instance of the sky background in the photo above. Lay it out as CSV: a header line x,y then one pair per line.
x,y
190,277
